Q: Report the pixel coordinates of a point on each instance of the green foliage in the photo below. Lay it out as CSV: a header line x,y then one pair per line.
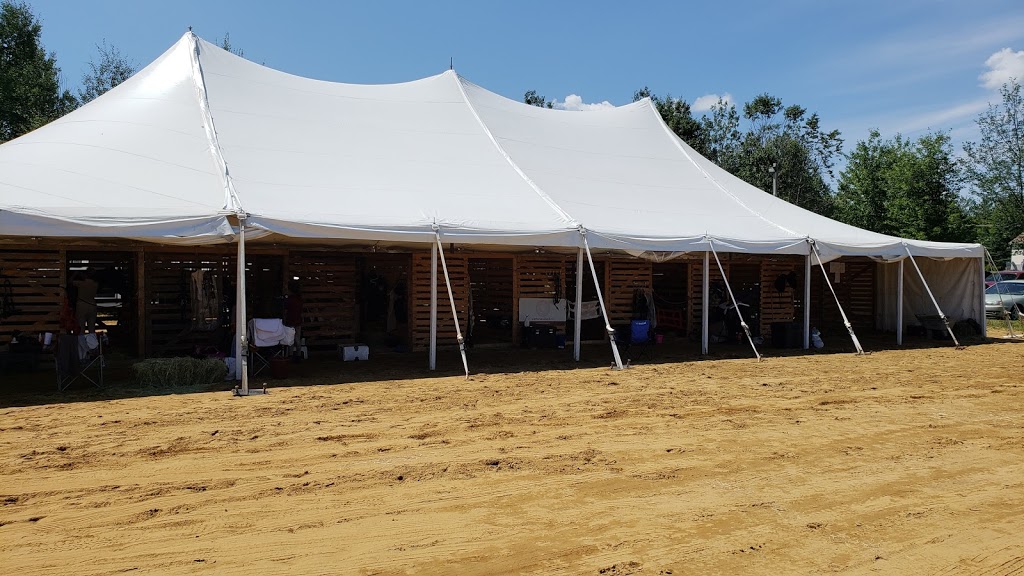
x,y
677,113
112,69
905,188
533,99
225,43
781,137
30,93
178,372
995,168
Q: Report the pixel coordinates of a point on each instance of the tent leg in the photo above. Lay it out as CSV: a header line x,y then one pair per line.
x,y
705,297
899,307
578,320
746,329
604,311
451,299
846,321
807,302
932,296
433,307
241,356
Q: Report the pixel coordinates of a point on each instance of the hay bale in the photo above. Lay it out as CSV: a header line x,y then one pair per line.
x,y
176,372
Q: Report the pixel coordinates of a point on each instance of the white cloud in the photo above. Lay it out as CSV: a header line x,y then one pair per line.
x,y
574,102
1003,65
707,101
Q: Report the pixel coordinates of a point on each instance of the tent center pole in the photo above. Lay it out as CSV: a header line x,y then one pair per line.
x,y
899,307
932,296
705,298
604,310
577,319
241,353
735,304
451,299
807,302
433,306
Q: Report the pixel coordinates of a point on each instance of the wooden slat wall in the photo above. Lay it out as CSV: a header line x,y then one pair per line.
x,y
856,291
168,309
622,277
697,288
330,286
419,299
492,286
782,306
35,278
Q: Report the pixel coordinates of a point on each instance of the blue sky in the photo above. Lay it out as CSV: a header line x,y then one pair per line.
x,y
899,65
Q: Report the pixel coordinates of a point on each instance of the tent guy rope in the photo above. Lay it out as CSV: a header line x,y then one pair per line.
x,y
600,300
846,321
743,324
942,315
451,299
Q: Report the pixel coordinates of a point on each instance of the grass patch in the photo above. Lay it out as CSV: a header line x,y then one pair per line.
x,y
178,372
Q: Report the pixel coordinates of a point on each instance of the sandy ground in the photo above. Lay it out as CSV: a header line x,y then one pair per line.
x,y
901,462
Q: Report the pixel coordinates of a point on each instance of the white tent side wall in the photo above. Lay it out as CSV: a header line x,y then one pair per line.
x,y
956,284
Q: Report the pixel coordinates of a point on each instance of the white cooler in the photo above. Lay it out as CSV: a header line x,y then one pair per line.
x,y
354,352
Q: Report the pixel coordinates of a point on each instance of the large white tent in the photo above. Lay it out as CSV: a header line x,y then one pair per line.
x,y
201,137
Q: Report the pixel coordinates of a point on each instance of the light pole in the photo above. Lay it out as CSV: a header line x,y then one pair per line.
x,y
775,179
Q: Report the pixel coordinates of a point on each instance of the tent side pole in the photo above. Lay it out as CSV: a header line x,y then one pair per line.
x,y
807,302
577,319
241,356
736,305
1006,314
451,299
932,296
433,307
899,307
604,310
705,297
846,321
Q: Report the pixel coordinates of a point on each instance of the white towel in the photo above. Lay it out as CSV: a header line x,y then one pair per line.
x,y
270,332
588,310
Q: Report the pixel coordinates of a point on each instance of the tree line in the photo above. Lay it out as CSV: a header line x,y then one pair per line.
x,y
915,188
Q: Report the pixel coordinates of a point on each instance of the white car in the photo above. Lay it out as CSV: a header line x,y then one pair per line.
x,y
1007,295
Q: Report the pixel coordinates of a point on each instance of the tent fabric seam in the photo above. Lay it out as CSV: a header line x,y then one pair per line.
x,y
674,138
543,195
232,200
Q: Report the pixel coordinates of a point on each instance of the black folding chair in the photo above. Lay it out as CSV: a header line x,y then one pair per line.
x,y
71,366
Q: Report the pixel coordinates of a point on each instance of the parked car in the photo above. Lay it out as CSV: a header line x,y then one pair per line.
x,y
1002,276
1008,295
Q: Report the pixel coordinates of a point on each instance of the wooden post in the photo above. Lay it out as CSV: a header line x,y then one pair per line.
x,y
515,300
140,303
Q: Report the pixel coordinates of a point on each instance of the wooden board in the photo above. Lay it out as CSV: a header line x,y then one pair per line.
x,y
785,305
623,278
856,291
32,280
329,282
419,299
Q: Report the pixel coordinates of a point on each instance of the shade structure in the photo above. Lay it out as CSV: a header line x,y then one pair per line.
x,y
201,134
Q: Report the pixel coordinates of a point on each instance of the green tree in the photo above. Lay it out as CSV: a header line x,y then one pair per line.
x,y
793,143
722,137
533,99
225,43
905,188
995,168
111,69
677,113
30,92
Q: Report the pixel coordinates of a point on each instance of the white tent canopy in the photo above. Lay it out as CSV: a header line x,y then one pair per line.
x,y
201,134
